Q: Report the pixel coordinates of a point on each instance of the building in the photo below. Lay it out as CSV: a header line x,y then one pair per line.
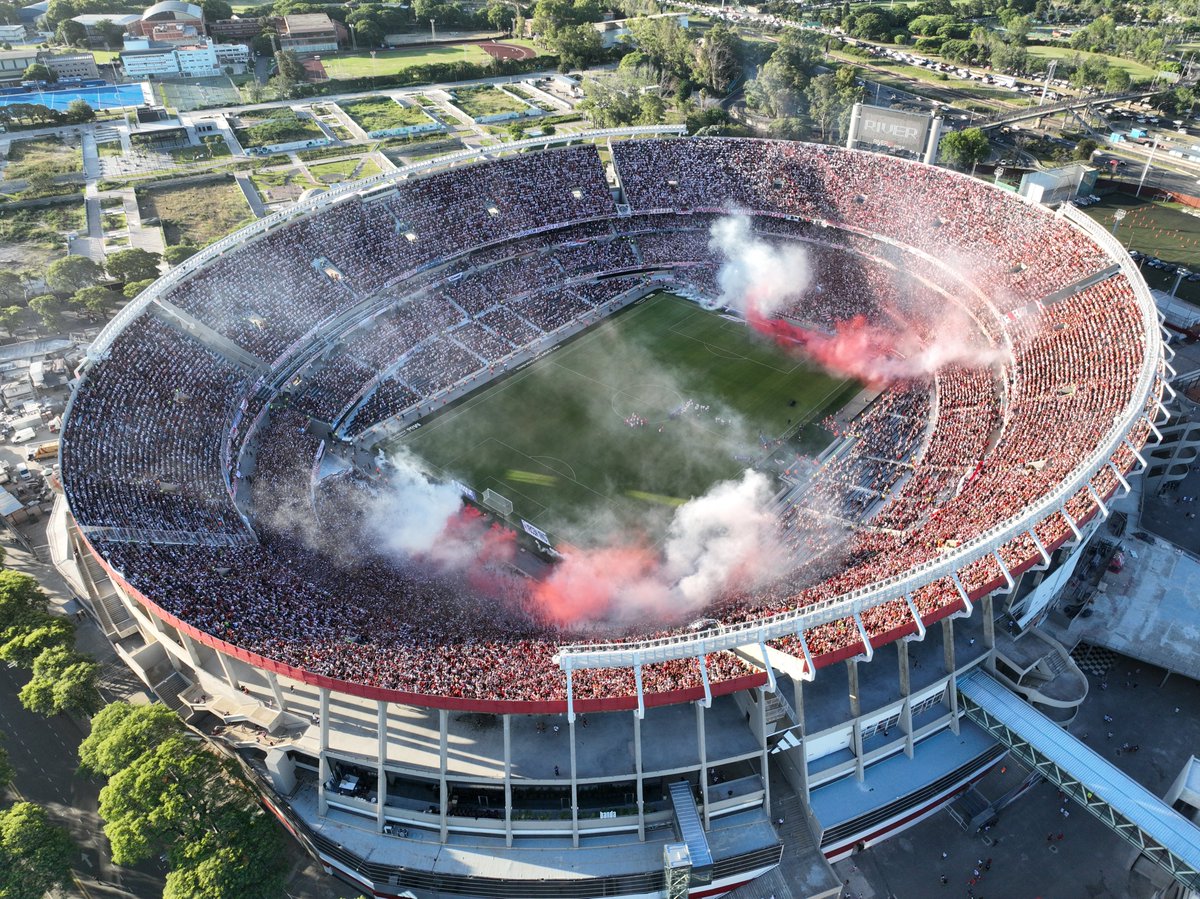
x,y
12,33
144,58
235,29
1057,185
174,33
310,33
170,12
34,11
13,63
70,65
93,21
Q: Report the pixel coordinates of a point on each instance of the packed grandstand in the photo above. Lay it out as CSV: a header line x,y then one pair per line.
x,y
429,286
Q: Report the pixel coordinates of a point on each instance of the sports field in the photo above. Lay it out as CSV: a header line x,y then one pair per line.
x,y
564,438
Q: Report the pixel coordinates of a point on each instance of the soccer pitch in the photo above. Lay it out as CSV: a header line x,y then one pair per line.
x,y
564,438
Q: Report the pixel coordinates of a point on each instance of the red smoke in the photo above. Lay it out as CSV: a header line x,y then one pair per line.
x,y
856,349
585,585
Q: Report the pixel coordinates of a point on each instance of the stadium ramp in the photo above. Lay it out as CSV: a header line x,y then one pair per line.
x,y
1130,810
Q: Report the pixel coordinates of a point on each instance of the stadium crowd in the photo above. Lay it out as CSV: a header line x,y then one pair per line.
x,y
478,263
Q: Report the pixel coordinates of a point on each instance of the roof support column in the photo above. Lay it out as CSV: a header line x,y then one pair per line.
x,y
507,780
443,788
702,747
323,750
948,656
637,768
905,693
855,712
381,762
989,623
273,680
574,785
227,670
762,742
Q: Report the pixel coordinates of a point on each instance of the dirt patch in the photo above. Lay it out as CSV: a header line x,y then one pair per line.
x,y
506,51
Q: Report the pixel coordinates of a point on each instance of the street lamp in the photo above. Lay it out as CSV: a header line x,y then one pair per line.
x,y
1117,216
1180,274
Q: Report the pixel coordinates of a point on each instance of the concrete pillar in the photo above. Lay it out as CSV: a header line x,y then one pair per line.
x,y
989,623
637,765
574,787
507,779
323,755
227,670
948,655
762,742
443,789
852,678
906,693
855,712
700,743
380,762
189,646
273,680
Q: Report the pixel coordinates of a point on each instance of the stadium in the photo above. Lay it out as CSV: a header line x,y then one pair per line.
x,y
930,423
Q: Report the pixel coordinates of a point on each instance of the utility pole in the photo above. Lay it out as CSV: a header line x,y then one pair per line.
x,y
1146,170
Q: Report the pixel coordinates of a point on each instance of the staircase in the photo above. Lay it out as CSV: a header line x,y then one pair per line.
x,y
168,690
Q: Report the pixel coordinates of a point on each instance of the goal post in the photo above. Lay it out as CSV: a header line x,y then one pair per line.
x,y
496,502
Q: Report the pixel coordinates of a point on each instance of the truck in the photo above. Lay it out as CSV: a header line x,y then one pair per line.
x,y
45,451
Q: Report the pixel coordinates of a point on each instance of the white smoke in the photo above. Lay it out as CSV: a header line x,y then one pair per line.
x,y
411,512
727,537
772,274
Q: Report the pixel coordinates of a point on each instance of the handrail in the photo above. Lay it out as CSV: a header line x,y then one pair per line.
x,y
728,637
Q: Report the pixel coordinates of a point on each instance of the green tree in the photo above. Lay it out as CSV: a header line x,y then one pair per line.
x,y
12,288
121,733
39,72
133,288
718,59
242,862
22,601
215,10
24,644
63,681
289,66
40,184
110,32
132,265
71,33
651,109
966,148
180,252
71,273
79,112
10,318
830,98
96,300
1118,80
35,855
1086,148
47,308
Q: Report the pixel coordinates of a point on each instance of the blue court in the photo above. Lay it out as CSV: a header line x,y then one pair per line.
x,y
104,96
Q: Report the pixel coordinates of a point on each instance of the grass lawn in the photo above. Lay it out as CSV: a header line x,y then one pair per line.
x,y
381,113
281,185
196,214
583,466
44,154
390,62
276,126
30,239
211,148
109,148
344,170
103,57
485,100
1157,229
1136,70
114,221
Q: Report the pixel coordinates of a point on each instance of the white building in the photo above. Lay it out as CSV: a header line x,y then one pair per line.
x,y
12,33
144,58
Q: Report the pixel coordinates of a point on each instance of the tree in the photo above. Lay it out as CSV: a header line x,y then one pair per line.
x,y
71,273
122,732
40,184
39,72
80,112
35,855
718,58
12,288
132,265
110,32
47,308
22,601
288,65
10,317
71,33
967,147
830,98
1086,148
1118,80
242,863
180,252
651,109
215,10
96,300
133,288
24,644
62,681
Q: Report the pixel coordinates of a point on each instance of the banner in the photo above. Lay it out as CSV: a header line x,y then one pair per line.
x,y
535,532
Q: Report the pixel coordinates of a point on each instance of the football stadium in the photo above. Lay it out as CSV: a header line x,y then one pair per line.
x,y
620,514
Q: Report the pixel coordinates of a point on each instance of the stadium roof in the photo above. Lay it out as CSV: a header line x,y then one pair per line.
x,y
174,8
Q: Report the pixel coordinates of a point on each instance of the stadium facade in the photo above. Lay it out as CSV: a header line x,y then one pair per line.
x,y
417,762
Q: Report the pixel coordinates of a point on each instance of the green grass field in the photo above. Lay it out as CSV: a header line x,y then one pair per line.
x,y
381,113
485,100
391,62
553,437
1136,70
1157,229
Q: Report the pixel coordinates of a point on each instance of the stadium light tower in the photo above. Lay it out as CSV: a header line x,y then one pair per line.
x,y
1180,274
1049,75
